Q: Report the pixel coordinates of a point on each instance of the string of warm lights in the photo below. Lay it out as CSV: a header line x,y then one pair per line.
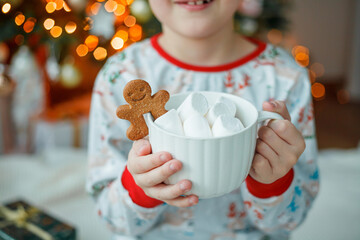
x,y
316,70
127,30
126,33
301,55
6,8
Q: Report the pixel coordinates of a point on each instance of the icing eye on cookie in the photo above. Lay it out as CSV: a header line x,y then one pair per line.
x,y
137,92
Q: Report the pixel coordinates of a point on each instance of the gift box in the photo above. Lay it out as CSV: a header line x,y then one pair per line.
x,y
62,125
19,220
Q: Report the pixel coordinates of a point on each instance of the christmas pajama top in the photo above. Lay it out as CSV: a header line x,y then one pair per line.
x,y
252,211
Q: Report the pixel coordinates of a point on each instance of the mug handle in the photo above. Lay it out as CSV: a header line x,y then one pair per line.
x,y
264,115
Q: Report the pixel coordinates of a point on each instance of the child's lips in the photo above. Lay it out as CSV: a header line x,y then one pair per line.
x,y
192,2
193,5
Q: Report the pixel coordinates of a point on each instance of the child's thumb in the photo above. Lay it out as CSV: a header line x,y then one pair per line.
x,y
142,147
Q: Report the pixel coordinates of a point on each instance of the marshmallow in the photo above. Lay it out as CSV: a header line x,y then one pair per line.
x,y
171,122
229,104
197,126
194,103
216,110
226,125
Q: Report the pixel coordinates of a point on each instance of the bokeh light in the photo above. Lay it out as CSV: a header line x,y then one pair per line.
x,y
117,43
56,31
70,27
302,59
120,10
82,50
135,32
19,19
318,69
91,42
59,4
29,25
87,23
275,36
119,20
122,34
343,96
318,91
49,23
110,6
19,39
299,49
6,8
100,53
95,7
66,7
50,7
123,2
130,21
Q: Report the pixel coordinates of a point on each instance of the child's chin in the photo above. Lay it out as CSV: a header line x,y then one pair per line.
x,y
198,31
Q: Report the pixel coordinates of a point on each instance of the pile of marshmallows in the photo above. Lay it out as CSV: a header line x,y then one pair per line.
x,y
195,118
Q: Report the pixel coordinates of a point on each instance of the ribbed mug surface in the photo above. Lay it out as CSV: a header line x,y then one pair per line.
x,y
215,166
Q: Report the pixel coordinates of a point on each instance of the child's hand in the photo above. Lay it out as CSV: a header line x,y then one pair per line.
x,y
151,170
278,147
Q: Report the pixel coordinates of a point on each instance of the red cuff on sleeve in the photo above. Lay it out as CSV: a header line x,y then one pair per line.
x,y
137,195
262,190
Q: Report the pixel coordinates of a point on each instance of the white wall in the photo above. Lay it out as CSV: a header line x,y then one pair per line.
x,y
353,84
325,27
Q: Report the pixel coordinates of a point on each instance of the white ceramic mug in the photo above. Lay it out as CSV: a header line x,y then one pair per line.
x,y
217,165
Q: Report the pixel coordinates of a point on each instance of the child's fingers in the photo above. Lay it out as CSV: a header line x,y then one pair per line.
x,y
279,166
187,201
261,169
288,132
159,174
268,135
267,152
168,192
287,153
144,164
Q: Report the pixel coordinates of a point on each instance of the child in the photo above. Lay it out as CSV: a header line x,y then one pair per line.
x,y
199,51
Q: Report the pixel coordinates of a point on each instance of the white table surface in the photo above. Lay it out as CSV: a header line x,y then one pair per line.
x,y
336,211
55,181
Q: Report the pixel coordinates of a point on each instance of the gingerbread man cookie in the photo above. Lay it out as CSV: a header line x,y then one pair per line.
x,y
138,94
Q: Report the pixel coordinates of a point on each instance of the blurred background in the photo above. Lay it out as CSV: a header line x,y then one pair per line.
x,y
52,50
